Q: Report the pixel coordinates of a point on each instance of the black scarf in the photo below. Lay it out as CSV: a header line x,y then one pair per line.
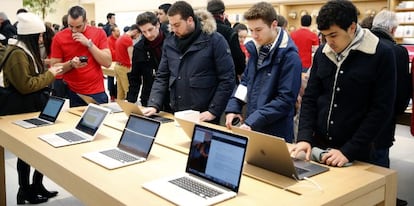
x,y
184,43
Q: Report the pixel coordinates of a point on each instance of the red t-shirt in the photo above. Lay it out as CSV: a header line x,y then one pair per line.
x,y
304,40
88,79
121,49
111,45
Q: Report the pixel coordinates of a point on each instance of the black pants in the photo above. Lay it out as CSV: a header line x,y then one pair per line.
x,y
23,172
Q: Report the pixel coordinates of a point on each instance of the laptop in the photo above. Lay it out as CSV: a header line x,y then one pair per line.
x,y
271,153
111,106
133,147
48,115
213,171
85,130
186,125
129,108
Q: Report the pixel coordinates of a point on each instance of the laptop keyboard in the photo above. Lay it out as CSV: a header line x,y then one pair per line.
x,y
195,187
36,121
70,136
119,155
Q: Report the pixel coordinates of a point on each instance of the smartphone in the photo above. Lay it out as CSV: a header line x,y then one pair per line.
x,y
83,59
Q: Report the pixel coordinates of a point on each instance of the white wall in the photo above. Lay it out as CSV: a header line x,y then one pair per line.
x,y
10,7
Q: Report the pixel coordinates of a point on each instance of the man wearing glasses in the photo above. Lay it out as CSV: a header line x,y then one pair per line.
x,y
82,50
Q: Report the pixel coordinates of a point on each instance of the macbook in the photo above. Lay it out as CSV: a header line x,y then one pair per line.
x,y
129,108
48,115
186,125
133,147
213,171
85,130
271,153
111,106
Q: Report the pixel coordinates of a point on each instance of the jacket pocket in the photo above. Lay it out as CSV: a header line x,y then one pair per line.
x,y
202,91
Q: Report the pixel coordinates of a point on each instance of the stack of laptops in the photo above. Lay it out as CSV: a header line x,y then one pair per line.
x,y
133,147
131,108
271,153
48,115
213,171
85,130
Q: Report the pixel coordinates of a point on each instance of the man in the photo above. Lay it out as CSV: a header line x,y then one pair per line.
x,y
123,48
110,17
271,81
163,18
7,30
115,33
305,40
196,66
145,60
216,8
80,39
349,98
384,25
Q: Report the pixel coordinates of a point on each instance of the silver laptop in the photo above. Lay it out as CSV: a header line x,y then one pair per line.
x,y
213,171
85,130
48,115
133,147
271,153
130,108
111,105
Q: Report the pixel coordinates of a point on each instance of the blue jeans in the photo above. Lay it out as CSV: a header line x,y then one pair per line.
x,y
76,101
380,157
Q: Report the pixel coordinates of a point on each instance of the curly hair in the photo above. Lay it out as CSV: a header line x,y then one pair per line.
x,y
337,12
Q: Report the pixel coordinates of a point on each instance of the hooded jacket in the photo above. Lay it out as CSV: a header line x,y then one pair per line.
x,y
202,78
272,88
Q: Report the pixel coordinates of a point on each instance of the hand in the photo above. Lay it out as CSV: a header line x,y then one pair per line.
x,y
206,116
301,146
79,37
55,70
148,111
246,127
230,117
76,63
334,157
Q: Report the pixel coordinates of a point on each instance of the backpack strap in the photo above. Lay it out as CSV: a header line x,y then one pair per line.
x,y
5,58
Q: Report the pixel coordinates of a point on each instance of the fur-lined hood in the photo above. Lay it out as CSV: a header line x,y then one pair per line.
x,y
208,23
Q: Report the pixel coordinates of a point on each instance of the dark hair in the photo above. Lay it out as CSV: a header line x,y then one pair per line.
x,y
281,21
100,24
215,7
147,17
182,8
337,12
47,39
133,27
239,26
22,10
65,21
306,20
109,15
32,43
261,10
76,12
367,22
165,7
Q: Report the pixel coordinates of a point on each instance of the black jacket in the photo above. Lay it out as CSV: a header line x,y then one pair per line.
x,y
8,31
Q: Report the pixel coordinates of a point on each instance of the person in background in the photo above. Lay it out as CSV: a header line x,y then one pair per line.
x,y
115,33
25,73
353,65
242,32
80,39
7,30
196,66
217,8
146,59
306,41
269,85
163,18
64,22
124,47
367,22
21,10
384,25
282,22
110,17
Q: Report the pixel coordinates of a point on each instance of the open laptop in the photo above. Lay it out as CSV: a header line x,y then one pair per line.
x,y
48,115
85,130
271,153
129,108
111,106
214,167
133,147
186,125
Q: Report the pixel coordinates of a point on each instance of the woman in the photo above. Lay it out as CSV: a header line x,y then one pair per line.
x,y
23,72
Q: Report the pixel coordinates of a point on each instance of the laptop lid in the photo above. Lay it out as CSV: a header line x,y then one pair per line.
x,y
52,109
186,125
92,119
139,135
129,107
217,156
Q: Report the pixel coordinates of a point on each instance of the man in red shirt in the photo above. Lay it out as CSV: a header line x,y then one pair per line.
x,y
305,39
115,33
80,39
123,49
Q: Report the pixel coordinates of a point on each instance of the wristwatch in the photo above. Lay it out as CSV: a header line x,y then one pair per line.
x,y
90,43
